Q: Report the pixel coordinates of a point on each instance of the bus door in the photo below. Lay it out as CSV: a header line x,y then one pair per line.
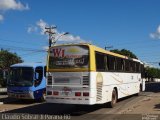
x,y
39,82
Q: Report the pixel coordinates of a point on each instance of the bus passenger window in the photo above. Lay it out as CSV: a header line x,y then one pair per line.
x,y
137,67
127,65
120,64
111,63
132,66
100,62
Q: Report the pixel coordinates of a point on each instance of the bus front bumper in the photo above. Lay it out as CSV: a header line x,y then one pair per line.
x,y
28,95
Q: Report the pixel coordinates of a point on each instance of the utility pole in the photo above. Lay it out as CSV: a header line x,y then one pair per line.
x,y
108,47
50,32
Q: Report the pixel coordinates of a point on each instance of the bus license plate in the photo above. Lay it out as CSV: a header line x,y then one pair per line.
x,y
66,93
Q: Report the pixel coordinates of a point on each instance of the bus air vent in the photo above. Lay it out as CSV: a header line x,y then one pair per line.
x,y
99,91
85,80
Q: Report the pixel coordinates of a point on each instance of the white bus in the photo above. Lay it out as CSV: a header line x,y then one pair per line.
x,y
86,74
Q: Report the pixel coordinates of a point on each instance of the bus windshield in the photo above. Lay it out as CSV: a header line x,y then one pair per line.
x,y
21,76
71,56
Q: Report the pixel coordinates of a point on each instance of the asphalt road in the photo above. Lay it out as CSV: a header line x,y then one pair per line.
x,y
100,112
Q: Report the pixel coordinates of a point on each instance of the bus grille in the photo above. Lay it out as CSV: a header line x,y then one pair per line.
x,y
99,91
85,80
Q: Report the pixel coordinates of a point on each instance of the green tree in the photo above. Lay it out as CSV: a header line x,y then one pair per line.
x,y
153,72
125,52
6,60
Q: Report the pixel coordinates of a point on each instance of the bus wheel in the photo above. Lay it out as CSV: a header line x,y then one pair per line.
x,y
140,90
113,99
42,99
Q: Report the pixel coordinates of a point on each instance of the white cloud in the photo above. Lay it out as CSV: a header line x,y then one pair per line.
x,y
156,35
59,37
69,38
42,24
32,29
1,17
6,5
12,5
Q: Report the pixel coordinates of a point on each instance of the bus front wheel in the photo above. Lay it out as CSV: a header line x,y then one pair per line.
x,y
42,98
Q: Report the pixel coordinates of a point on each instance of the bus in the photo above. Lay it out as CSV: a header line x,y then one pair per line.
x,y
27,81
86,74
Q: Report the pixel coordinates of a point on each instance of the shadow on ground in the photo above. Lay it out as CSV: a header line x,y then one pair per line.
x,y
157,107
56,109
74,110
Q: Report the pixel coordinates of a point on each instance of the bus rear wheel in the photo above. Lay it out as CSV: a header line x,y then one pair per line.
x,y
140,90
113,99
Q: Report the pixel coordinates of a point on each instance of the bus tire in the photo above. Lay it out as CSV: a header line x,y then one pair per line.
x,y
140,90
41,99
113,98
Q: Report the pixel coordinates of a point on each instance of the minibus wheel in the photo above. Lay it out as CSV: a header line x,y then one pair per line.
x,y
42,99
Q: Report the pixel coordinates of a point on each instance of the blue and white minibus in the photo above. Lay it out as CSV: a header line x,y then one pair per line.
x,y
27,81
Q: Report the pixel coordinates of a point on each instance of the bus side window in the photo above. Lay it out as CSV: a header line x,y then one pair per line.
x,y
111,63
127,66
120,64
100,65
39,70
137,67
133,66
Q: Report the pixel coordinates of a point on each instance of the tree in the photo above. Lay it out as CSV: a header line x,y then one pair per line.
x,y
6,60
153,72
125,52
150,72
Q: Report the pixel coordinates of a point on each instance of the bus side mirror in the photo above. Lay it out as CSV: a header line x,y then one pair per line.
x,y
37,76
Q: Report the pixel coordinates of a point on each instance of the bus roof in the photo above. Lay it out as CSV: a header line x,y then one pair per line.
x,y
98,49
28,65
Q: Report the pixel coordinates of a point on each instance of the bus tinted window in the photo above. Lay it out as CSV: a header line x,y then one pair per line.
x,y
132,66
119,64
111,63
100,62
127,65
21,76
137,67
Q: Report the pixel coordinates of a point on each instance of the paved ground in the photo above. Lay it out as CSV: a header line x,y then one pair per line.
x,y
149,104
130,108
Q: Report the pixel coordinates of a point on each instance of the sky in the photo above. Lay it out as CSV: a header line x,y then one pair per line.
x,y
123,24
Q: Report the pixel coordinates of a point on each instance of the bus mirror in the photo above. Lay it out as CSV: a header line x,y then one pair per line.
x,y
37,76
